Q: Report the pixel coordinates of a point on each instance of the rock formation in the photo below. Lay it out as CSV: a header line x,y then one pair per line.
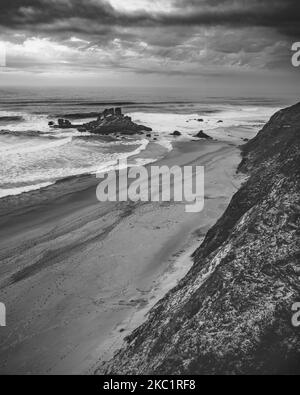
x,y
176,133
202,135
109,121
62,124
232,313
113,121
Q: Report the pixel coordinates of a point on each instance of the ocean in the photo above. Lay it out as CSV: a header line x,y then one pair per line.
x,y
33,156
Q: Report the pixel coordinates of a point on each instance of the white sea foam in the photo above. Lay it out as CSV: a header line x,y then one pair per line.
x,y
166,123
166,144
247,118
66,133
113,164
31,147
19,190
28,122
143,162
14,173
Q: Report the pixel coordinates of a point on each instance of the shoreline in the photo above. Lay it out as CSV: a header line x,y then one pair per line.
x,y
77,275
157,149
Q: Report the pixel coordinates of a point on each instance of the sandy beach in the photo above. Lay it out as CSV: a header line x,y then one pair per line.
x,y
78,275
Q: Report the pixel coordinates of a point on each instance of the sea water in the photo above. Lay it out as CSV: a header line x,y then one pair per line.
x,y
33,156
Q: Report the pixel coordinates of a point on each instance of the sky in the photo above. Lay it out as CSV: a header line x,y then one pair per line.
x,y
215,45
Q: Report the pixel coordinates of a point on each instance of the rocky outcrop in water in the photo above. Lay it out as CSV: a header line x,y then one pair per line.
x,y
176,133
232,313
62,124
202,135
110,121
113,121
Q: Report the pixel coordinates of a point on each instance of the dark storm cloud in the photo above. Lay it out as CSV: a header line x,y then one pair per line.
x,y
75,15
29,13
282,15
187,37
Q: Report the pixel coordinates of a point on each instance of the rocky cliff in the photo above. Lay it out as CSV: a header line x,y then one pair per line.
x,y
232,313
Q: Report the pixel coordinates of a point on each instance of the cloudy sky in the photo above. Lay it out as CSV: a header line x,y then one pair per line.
x,y
196,43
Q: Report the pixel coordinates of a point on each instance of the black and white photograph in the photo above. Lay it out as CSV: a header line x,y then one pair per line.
x,y
149,190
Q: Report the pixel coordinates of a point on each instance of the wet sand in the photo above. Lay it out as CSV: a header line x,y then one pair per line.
x,y
78,275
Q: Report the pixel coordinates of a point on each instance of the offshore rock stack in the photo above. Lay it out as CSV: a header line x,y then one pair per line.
x,y
110,121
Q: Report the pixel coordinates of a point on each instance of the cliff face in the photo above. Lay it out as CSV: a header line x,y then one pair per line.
x,y
232,313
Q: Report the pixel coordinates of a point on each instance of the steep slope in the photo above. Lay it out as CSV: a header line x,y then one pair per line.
x,y
232,313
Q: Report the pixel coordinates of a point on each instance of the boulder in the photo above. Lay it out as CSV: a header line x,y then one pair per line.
x,y
202,135
176,134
